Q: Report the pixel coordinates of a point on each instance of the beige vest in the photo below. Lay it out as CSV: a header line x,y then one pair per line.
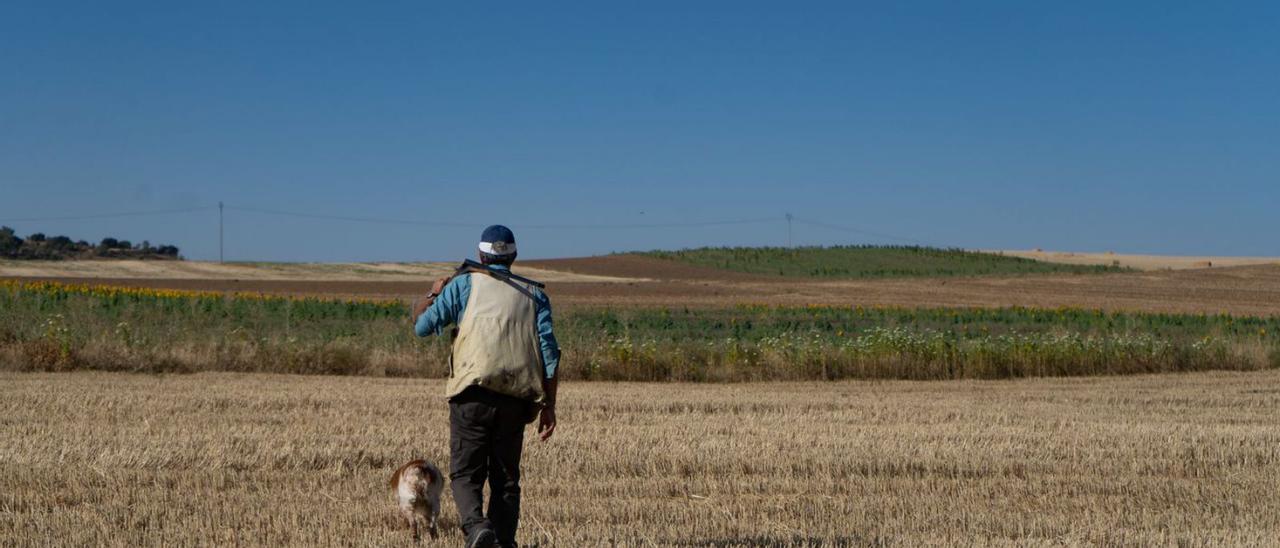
x,y
497,345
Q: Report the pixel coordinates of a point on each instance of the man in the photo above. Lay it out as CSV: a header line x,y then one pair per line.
x,y
502,369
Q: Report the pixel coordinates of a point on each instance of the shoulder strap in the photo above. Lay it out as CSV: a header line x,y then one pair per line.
x,y
473,267
502,273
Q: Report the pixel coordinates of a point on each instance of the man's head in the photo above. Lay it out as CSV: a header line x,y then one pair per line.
x,y
497,246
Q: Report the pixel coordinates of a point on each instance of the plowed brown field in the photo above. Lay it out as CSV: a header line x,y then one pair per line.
x,y
641,281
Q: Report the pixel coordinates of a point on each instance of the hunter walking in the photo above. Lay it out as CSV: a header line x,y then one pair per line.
x,y
502,376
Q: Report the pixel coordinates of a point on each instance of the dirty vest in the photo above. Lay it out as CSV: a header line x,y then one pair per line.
x,y
497,345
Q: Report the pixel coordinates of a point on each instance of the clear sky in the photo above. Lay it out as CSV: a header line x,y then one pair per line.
x,y
1125,126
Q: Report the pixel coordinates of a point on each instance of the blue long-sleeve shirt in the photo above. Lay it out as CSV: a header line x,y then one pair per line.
x,y
452,303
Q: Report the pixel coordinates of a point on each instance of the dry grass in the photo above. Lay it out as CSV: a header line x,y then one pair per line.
x,y
119,459
211,271
1139,262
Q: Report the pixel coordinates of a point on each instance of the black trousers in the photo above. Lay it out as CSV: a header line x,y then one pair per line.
x,y
486,434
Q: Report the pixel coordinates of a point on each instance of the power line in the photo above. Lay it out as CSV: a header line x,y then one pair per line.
x,y
693,224
393,221
564,226
853,230
374,220
788,218
106,215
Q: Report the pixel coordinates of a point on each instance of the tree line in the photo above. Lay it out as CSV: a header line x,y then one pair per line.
x,y
39,246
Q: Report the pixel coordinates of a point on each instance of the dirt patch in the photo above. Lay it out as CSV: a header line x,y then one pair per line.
x,y
638,268
1140,262
204,270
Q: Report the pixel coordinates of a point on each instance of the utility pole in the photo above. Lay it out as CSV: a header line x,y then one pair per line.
x,y
219,232
789,231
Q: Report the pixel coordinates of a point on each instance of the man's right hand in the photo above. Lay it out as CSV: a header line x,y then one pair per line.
x,y
546,423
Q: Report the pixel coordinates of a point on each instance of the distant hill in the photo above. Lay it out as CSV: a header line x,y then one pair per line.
x,y
40,247
867,261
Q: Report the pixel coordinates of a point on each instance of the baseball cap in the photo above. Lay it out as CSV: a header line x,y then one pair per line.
x,y
498,240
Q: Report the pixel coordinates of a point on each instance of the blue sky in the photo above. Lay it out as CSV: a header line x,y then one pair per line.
x,y
1126,126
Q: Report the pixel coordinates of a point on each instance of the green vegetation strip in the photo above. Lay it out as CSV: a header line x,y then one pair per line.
x,y
866,261
55,327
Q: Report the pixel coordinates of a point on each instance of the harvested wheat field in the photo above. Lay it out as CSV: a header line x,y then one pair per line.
x,y
121,459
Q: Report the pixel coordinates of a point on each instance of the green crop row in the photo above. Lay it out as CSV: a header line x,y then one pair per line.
x,y
867,261
52,327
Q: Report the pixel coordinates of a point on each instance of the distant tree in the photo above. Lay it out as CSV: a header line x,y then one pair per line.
x,y
61,243
10,243
41,246
105,247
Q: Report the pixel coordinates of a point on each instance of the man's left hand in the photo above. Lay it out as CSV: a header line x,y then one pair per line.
x,y
426,301
438,287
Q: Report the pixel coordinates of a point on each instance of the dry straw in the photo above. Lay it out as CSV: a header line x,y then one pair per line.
x,y
227,459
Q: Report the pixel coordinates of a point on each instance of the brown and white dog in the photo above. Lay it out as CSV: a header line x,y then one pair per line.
x,y
417,486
